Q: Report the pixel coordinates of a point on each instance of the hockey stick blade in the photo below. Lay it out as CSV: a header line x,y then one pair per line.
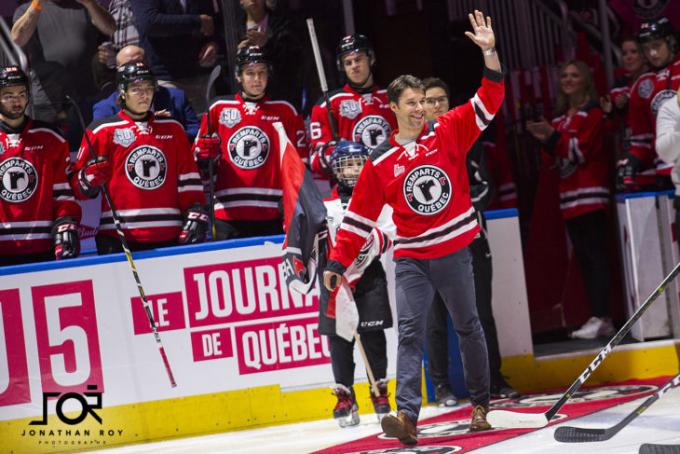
x,y
648,448
569,434
512,420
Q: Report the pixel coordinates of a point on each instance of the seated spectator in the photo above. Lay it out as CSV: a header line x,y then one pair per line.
x,y
180,40
167,102
574,140
146,164
60,39
38,214
271,30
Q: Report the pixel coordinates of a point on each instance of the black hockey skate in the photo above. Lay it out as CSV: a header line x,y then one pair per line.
x,y
346,411
381,403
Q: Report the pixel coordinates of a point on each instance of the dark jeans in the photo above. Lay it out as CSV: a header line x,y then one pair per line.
x,y
226,230
437,336
588,234
342,356
417,281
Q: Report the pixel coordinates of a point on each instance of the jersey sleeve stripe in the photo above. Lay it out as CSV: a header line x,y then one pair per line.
x,y
360,220
49,131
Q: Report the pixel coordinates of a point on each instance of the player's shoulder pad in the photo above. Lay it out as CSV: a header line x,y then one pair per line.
x,y
280,103
224,99
49,128
104,122
331,93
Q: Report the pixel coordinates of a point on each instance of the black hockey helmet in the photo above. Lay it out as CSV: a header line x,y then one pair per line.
x,y
344,154
656,29
13,75
251,55
133,72
353,43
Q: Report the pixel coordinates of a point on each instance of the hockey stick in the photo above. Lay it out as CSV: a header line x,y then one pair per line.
x,y
128,253
513,419
211,184
369,370
569,434
322,78
648,448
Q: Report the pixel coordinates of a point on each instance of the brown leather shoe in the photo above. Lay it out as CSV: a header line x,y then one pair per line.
x,y
400,427
478,421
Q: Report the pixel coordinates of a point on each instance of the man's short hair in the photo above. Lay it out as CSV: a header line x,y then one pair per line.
x,y
401,83
434,82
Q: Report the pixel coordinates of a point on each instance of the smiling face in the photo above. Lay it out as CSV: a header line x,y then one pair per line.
x,y
254,79
572,82
631,56
357,66
410,110
436,103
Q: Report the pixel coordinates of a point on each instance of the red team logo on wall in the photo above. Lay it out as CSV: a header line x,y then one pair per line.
x,y
427,190
249,147
146,167
371,130
18,180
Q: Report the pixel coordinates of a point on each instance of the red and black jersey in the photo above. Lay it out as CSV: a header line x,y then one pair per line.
x,y
154,176
425,182
248,185
34,188
578,147
647,95
359,117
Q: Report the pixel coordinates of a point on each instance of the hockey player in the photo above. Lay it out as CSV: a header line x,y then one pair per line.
x,y
39,215
660,47
147,167
420,171
367,278
359,111
239,136
481,193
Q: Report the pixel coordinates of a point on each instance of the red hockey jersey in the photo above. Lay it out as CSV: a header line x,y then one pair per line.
x,y
582,161
647,95
34,188
425,183
248,183
364,118
155,179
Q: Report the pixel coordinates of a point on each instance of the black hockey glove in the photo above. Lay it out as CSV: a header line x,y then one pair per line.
x,y
66,239
195,227
626,173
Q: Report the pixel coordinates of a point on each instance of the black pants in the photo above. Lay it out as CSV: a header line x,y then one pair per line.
x,y
342,356
110,245
226,230
437,337
588,234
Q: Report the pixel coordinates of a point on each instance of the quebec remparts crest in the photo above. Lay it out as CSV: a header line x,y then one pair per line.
x,y
371,130
18,180
659,99
427,190
248,147
146,167
230,117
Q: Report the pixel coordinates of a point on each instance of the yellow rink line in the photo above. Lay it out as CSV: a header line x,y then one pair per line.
x,y
267,405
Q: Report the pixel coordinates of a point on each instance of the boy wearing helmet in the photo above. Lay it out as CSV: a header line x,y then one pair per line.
x,y
238,135
146,164
642,166
39,215
366,278
358,111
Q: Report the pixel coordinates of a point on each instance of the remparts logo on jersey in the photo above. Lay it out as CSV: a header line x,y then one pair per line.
x,y
371,130
249,147
146,167
427,190
18,180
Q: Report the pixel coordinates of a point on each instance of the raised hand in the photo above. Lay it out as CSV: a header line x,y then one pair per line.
x,y
483,35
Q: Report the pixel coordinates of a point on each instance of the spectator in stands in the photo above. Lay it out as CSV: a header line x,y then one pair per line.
x,y
574,140
60,39
38,214
634,65
237,136
481,192
167,102
271,30
668,146
180,39
146,164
